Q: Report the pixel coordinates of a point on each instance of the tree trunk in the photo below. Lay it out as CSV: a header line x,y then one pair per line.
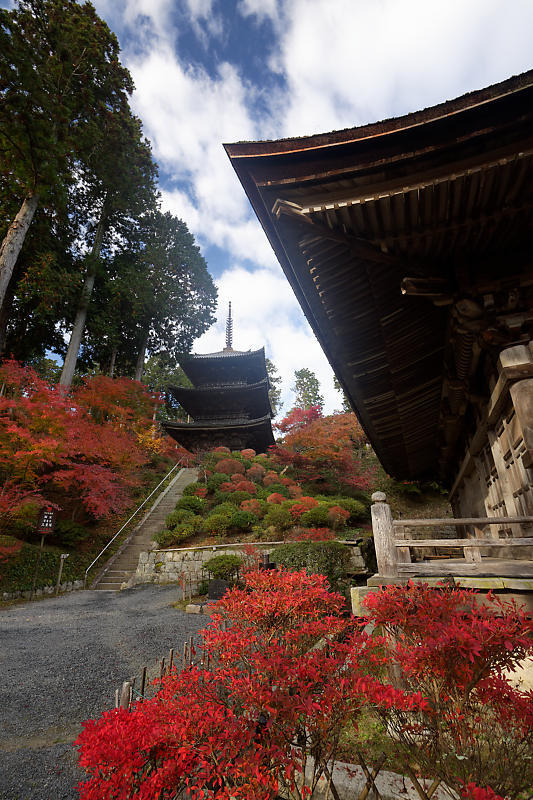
x,y
139,369
71,358
13,241
5,314
113,360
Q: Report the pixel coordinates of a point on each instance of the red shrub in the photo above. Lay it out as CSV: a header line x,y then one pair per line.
x,y
312,534
236,478
248,453
229,466
246,486
256,473
295,491
221,449
252,505
337,517
201,491
270,478
276,498
227,487
302,505
287,481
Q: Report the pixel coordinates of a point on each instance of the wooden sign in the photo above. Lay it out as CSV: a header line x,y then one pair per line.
x,y
47,520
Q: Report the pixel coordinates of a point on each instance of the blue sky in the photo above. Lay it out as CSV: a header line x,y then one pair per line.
x,y
214,71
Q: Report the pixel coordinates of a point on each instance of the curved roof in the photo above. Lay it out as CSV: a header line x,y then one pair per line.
x,y
224,367
256,433
249,400
382,231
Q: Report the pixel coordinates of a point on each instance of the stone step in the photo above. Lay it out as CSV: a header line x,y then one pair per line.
x,y
125,566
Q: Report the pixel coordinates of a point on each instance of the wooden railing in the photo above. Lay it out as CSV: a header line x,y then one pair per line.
x,y
393,547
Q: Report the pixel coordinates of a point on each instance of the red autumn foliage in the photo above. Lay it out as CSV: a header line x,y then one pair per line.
x,y
337,516
230,733
221,449
295,491
312,534
252,505
201,491
459,653
275,497
270,477
324,452
246,486
227,487
9,547
298,418
302,505
236,477
88,444
248,453
229,466
287,481
256,473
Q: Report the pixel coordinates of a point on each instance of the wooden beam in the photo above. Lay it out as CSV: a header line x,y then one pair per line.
x,y
525,541
436,523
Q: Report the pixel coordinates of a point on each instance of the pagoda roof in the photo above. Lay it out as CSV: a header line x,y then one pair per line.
x,y
256,433
382,231
251,399
225,367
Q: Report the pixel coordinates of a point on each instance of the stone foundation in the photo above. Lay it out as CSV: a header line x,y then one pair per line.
x,y
172,566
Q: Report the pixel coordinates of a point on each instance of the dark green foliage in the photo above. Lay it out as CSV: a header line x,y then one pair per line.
x,y
164,538
274,392
307,389
70,534
177,516
279,517
325,558
214,481
191,488
195,504
243,520
217,524
224,508
224,567
17,573
278,488
316,517
357,509
237,497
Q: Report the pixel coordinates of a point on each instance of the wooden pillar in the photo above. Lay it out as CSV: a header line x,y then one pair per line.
x,y
384,536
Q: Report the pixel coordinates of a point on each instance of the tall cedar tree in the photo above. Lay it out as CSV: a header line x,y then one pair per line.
x,y
307,389
59,72
167,294
117,185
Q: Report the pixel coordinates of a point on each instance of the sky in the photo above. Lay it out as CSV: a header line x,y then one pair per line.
x,y
213,71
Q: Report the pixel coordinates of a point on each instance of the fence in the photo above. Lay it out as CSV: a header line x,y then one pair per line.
x,y
393,547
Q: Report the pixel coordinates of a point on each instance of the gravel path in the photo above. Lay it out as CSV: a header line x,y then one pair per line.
x,y
60,662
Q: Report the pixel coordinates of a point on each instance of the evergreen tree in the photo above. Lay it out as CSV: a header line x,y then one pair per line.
x,y
274,393
307,389
59,76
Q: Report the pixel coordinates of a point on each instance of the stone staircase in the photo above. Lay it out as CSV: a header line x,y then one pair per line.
x,y
123,564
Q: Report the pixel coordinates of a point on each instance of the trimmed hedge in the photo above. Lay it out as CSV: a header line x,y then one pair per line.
x,y
325,558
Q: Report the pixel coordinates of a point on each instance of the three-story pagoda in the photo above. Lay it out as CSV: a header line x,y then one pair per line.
x,y
228,402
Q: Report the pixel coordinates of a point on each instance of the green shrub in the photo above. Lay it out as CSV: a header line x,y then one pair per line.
x,y
192,487
224,508
214,481
355,507
165,538
224,567
71,533
180,515
194,504
278,488
236,498
316,517
243,520
279,517
217,524
325,558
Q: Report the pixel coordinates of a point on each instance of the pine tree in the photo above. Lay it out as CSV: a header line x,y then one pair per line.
x,y
346,407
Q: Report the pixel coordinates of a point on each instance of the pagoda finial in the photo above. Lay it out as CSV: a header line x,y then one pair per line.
x,y
229,330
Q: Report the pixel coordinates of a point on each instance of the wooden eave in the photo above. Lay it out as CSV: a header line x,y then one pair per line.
x,y
444,193
225,368
203,401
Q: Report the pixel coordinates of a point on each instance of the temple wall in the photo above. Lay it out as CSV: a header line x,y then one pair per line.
x,y
496,475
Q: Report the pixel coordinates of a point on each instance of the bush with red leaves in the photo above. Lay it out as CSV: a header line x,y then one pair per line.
x,y
229,466
275,497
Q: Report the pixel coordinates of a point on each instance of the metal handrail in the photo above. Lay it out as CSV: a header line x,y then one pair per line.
x,y
178,464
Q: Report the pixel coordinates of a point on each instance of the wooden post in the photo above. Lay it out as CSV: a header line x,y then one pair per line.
x,y
170,659
125,695
143,680
63,557
384,536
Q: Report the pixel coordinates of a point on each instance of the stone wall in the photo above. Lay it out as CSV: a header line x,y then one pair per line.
x,y
170,566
